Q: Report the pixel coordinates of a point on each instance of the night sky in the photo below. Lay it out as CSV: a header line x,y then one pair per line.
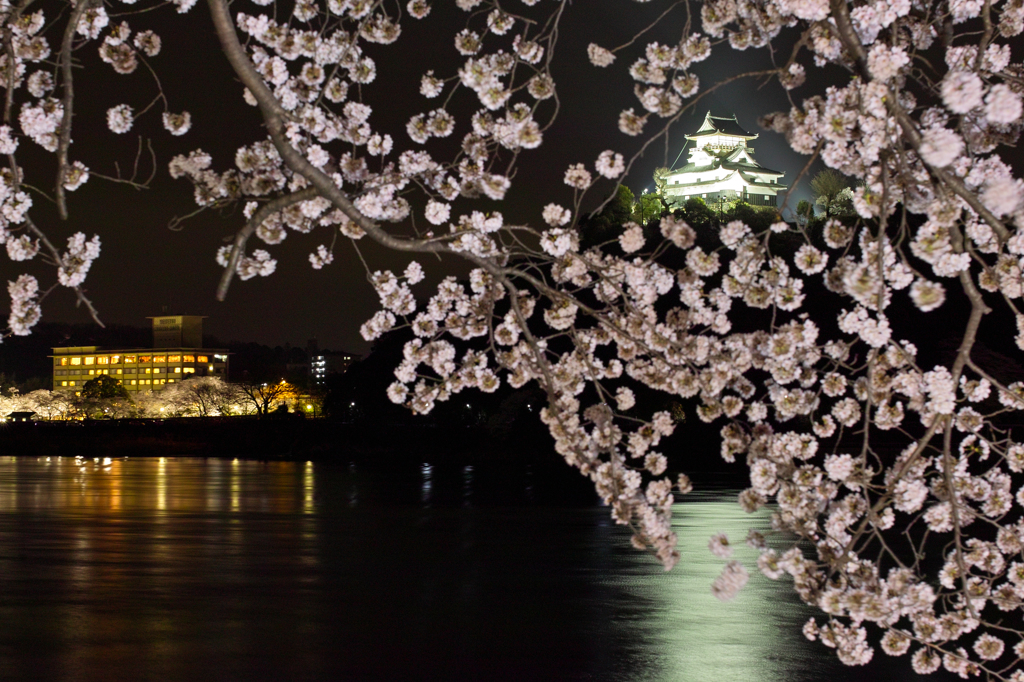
x,y
145,267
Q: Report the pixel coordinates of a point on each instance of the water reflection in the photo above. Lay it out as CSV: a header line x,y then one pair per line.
x,y
690,635
467,485
206,569
427,471
307,488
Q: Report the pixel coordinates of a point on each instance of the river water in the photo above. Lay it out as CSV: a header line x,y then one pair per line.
x,y
207,569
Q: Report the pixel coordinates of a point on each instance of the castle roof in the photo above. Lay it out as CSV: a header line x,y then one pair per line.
x,y
728,165
721,125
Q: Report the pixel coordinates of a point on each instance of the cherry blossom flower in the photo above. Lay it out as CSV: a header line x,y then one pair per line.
x,y
430,86
941,146
632,239
962,91
438,212
630,123
22,248
177,124
885,63
25,310
1002,105
927,295
599,56
1002,195
76,176
719,546
732,579
321,257
556,216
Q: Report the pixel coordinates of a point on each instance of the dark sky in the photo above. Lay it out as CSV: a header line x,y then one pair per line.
x,y
145,267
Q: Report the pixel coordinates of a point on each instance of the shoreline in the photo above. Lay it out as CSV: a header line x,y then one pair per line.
x,y
329,442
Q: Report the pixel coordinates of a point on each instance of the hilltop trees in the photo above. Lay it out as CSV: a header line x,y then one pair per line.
x,y
891,469
649,207
832,193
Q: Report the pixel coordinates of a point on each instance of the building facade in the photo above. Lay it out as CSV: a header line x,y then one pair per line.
x,y
323,362
721,169
143,369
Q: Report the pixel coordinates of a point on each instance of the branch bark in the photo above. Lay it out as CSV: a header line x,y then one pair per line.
x,y
69,103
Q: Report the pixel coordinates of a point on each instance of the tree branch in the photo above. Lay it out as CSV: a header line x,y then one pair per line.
x,y
69,102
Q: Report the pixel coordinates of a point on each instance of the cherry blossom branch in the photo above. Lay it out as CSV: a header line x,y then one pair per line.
x,y
242,236
81,298
69,102
275,117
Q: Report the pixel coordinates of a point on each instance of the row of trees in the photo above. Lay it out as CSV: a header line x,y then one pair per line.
x,y
105,397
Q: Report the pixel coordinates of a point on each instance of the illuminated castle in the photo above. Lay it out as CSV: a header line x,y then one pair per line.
x,y
721,168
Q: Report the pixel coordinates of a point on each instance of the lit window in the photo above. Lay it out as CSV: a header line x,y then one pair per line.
x,y
188,358
157,370
91,372
129,359
144,359
90,360
159,358
133,382
148,370
115,359
76,361
118,371
63,362
63,383
170,381
177,370
103,360
173,358
189,370
202,358
71,383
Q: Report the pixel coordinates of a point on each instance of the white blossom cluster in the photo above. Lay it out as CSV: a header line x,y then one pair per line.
x,y
25,310
39,99
77,259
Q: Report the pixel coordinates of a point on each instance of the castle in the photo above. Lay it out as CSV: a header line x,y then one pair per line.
x,y
721,169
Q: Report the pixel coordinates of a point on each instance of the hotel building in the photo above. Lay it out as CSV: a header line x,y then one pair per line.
x,y
177,354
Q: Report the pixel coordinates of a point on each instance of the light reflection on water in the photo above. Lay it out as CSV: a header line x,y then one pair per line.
x,y
185,568
691,635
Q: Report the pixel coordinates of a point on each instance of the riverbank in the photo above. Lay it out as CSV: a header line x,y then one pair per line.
x,y
326,441
251,438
